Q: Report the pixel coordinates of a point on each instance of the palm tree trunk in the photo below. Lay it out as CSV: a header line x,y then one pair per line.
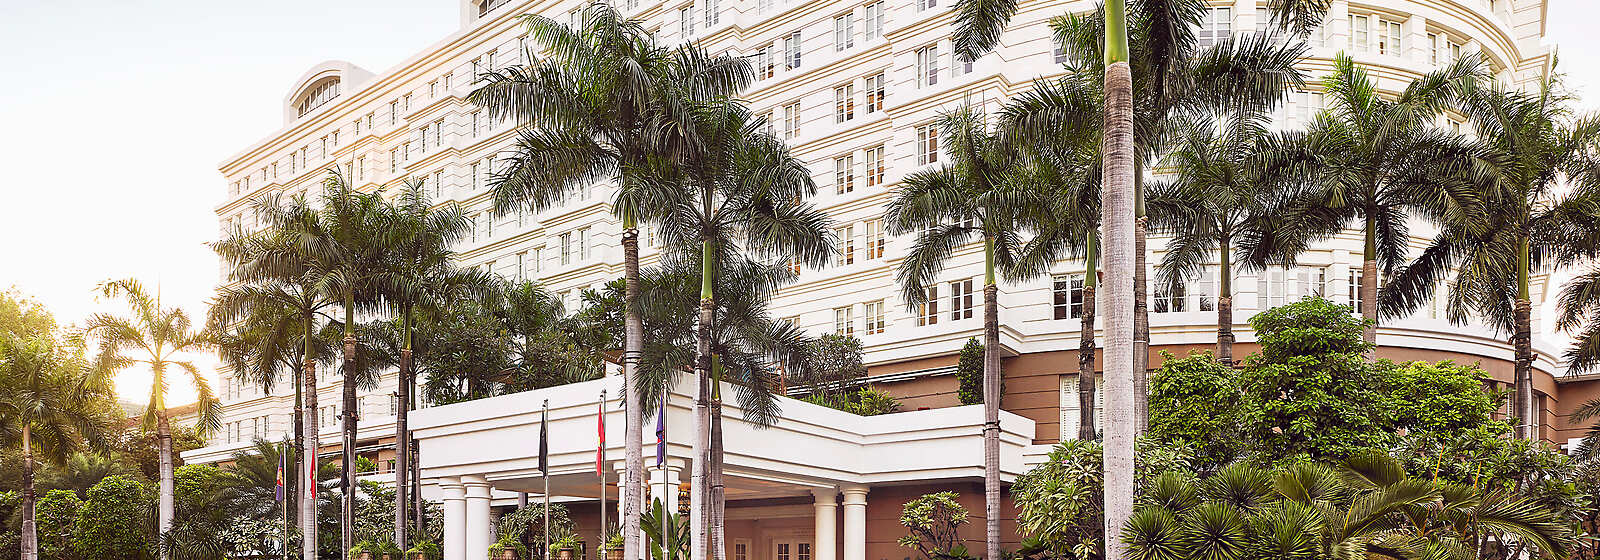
x,y
991,403
1086,375
1141,309
633,439
402,439
30,531
308,453
1369,284
1522,342
702,412
164,449
1225,304
290,497
348,415
1117,209
719,495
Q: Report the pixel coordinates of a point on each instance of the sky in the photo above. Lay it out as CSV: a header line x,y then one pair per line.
x,y
115,115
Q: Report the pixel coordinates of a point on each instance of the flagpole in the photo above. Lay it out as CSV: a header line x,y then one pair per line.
x,y
661,463
544,420
599,470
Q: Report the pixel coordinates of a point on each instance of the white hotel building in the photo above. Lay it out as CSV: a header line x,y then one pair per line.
x,y
854,86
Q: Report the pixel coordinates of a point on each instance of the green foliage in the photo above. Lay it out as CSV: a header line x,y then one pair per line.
x,y
428,548
508,542
138,445
24,317
528,523
676,527
831,365
866,401
1311,393
568,541
969,373
933,520
1061,501
54,515
377,548
114,522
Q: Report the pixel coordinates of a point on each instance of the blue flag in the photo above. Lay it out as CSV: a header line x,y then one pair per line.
x,y
661,431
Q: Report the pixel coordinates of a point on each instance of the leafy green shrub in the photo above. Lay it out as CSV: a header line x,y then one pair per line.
x,y
1061,501
866,401
54,515
969,373
530,521
509,542
933,520
427,548
114,522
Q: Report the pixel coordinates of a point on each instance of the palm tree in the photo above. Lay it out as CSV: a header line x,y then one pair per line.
x,y
51,404
1381,161
281,266
418,270
976,195
735,189
592,111
1541,191
1226,183
155,337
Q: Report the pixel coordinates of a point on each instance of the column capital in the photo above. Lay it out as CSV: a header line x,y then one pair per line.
x,y
452,487
854,495
826,496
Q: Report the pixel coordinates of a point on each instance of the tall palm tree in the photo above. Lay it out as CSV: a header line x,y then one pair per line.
x,y
52,404
283,265
1382,160
1117,219
1223,188
154,337
735,189
975,196
418,269
592,111
1541,188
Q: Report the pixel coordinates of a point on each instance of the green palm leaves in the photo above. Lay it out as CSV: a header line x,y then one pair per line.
x,y
1365,508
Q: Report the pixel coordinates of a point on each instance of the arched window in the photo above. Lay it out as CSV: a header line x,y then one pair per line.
x,y
318,96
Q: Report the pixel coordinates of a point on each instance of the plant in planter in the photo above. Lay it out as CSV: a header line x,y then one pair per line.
x,y
566,547
424,550
385,550
508,548
361,551
613,545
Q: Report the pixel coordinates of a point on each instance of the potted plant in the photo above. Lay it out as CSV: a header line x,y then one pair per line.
x,y
423,550
384,550
614,545
566,547
361,551
508,548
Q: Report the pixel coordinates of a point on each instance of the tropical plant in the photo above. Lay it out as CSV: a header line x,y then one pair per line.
x,y
866,401
1538,181
114,522
975,196
832,365
157,338
969,373
419,269
933,520
1061,504
593,110
51,404
1382,162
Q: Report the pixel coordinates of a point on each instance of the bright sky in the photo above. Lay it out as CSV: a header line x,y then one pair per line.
x,y
116,114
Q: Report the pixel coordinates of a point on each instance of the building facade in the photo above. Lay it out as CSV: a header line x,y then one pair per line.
x,y
854,87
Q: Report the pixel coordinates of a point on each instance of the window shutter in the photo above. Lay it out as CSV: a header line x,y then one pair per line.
x,y
1069,407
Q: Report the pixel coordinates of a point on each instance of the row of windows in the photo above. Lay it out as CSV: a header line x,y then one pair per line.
x,y
248,429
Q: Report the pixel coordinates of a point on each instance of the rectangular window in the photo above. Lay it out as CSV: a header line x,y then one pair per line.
x,y
394,113
928,311
713,13
438,183
1071,416
765,66
873,239
361,168
927,144
763,6
566,248
961,299
1353,295
1169,298
1279,286
1307,105
873,312
1389,38
874,20
1263,20
686,21
405,102
875,91
875,166
927,4
536,261
522,266
438,133
1360,33
1067,296
847,245
844,31
433,89
844,174
928,66
358,127
844,321
844,103
791,121
791,51
1216,26
583,244
394,160
1433,48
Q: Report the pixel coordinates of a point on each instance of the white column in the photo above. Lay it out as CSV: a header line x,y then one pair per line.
x,y
855,523
827,524
455,519
477,507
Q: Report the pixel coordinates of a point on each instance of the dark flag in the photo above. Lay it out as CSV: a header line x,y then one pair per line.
x,y
661,431
544,441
